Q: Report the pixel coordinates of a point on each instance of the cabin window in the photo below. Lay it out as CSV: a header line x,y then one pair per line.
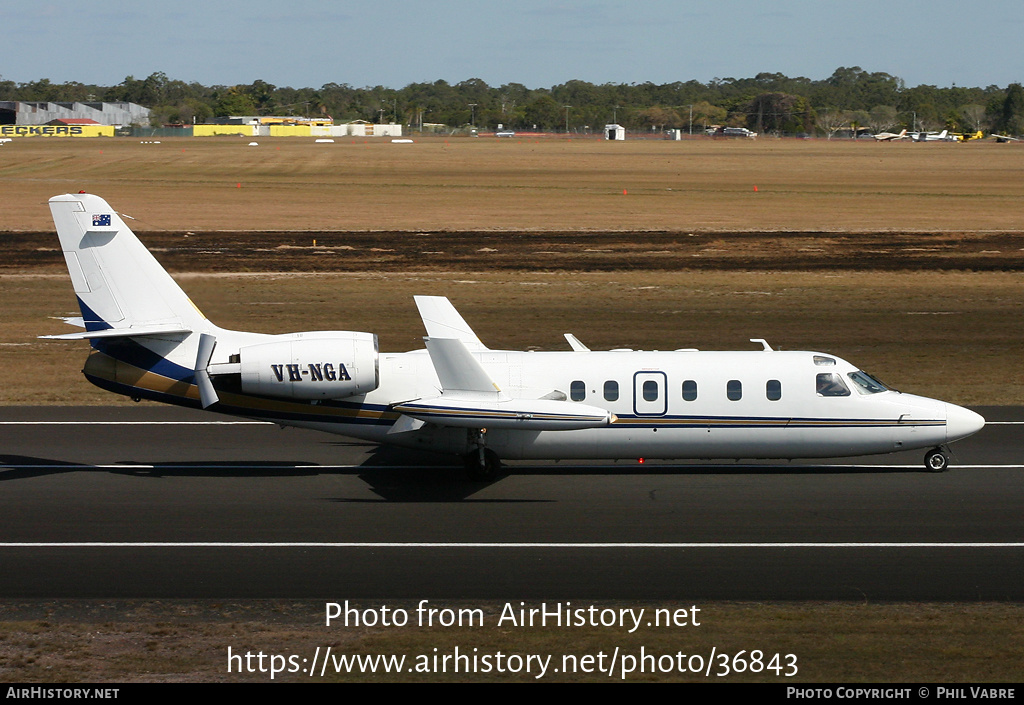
x,y
690,390
865,383
734,390
650,390
823,361
611,390
829,384
773,390
577,391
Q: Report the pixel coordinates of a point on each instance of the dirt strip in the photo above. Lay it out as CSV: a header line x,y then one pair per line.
x,y
328,251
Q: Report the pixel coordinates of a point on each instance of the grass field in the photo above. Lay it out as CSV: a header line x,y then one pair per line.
x,y
850,643
522,185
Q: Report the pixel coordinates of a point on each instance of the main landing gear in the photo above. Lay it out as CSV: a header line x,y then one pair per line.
x,y
936,460
481,462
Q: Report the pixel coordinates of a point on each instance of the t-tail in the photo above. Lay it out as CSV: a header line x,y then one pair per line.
x,y
151,342
145,330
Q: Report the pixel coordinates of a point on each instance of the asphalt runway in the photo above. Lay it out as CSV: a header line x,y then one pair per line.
x,y
156,502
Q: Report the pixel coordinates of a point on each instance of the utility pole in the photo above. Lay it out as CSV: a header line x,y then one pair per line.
x,y
566,118
472,119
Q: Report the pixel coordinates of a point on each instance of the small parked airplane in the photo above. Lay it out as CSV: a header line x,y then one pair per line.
x,y
943,136
891,136
460,397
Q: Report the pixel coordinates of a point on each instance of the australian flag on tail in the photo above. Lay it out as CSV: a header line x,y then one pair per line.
x,y
101,221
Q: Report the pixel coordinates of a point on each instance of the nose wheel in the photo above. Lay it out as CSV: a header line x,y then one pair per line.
x,y
936,460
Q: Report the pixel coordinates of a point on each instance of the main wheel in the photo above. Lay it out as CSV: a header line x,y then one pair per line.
x,y
486,470
936,461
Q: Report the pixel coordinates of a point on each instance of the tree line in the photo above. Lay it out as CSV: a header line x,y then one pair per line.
x,y
767,103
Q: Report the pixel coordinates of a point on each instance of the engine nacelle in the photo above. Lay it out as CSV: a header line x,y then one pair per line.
x,y
316,365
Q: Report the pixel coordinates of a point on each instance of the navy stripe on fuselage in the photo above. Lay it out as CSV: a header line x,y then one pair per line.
x,y
128,352
315,414
133,353
629,421
91,318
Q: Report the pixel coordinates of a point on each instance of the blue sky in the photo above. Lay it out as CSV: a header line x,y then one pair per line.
x,y
538,43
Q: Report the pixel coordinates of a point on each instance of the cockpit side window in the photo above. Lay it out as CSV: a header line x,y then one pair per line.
x,y
830,384
865,383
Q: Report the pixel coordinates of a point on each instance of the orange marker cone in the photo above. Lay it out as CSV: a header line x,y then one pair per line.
x,y
238,185
624,192
755,188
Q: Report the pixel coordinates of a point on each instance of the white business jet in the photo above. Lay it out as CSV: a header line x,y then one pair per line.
x,y
457,396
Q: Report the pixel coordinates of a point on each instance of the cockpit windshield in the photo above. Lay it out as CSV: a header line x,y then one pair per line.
x,y
866,384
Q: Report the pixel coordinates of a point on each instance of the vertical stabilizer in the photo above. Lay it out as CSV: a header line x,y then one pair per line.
x,y
119,284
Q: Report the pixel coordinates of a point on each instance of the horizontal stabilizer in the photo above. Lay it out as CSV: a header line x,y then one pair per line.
x,y
523,414
138,332
442,321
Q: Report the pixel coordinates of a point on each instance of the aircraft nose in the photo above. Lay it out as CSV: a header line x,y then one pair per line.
x,y
961,423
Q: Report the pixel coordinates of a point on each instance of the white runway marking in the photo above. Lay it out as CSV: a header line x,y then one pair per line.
x,y
561,467
553,544
136,423
244,423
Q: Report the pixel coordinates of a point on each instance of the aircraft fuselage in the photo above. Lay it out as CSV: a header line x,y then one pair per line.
x,y
669,404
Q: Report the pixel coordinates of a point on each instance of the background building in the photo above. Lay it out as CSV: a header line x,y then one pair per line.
x,y
17,112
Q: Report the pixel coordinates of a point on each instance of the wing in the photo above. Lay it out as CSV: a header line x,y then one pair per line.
x,y
442,321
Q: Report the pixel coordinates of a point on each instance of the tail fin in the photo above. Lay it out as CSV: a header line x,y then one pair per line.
x,y
121,288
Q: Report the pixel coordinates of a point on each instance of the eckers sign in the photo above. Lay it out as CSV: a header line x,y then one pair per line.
x,y
56,130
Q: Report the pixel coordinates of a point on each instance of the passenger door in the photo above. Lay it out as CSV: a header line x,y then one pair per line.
x,y
650,393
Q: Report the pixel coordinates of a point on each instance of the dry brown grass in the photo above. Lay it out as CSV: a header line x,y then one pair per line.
x,y
480,184
166,642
